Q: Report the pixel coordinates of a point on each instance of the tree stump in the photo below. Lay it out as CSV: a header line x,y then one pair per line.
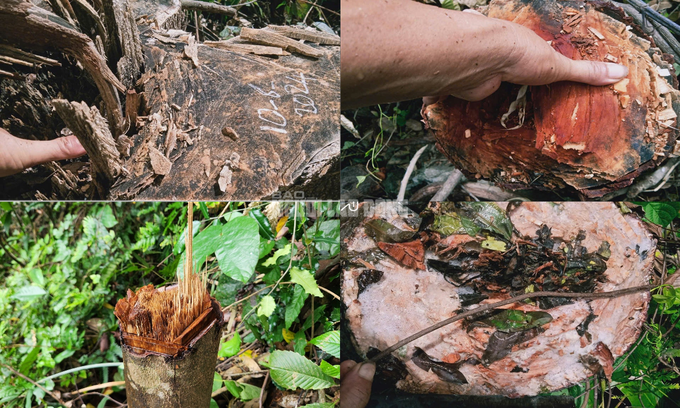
x,y
567,135
389,297
257,124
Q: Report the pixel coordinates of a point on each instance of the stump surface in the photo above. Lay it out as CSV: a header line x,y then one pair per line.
x,y
404,300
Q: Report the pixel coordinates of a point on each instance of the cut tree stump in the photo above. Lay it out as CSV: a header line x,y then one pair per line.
x,y
387,301
594,139
159,380
282,115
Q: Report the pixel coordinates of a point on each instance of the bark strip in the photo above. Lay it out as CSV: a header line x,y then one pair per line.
x,y
277,40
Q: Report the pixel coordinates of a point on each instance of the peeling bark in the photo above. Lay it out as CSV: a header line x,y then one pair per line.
x,y
93,132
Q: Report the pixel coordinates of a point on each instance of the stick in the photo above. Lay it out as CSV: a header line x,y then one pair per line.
x,y
407,175
264,387
449,185
50,393
484,308
209,7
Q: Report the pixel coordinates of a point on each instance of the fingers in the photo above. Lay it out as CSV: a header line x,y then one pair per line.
x,y
594,73
355,386
37,152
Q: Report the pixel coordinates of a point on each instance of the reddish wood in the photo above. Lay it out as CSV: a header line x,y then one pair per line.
x,y
595,139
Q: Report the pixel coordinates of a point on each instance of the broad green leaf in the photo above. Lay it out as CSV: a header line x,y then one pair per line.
x,y
328,342
217,382
266,247
290,370
28,293
205,243
213,403
278,254
660,213
6,206
295,305
249,392
231,347
263,222
28,361
238,252
107,218
233,388
267,306
330,369
305,279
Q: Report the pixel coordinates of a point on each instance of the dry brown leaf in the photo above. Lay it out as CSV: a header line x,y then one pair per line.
x,y
411,254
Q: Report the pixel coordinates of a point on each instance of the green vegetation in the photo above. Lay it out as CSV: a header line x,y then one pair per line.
x,y
63,266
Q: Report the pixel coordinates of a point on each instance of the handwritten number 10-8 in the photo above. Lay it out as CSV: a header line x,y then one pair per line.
x,y
303,103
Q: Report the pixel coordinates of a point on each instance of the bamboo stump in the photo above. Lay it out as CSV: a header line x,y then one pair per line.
x,y
567,135
167,376
389,297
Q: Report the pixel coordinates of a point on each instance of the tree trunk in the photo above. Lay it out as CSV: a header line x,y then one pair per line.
x,y
169,380
593,139
379,284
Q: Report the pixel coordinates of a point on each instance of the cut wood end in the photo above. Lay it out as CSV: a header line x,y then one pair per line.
x,y
622,86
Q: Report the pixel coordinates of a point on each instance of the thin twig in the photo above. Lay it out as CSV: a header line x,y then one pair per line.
x,y
264,387
455,177
100,386
321,7
484,308
50,393
409,170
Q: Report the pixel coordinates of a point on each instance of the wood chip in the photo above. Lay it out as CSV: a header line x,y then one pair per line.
x,y
273,39
610,58
596,33
624,100
225,178
666,114
230,133
191,51
160,164
317,37
622,86
247,48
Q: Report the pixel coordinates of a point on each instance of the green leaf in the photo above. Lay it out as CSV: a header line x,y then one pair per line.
x,y
290,370
213,403
249,392
205,243
660,213
300,342
328,342
233,388
360,179
107,218
494,244
6,206
231,347
295,304
239,251
263,223
28,293
279,253
267,306
217,382
305,279
332,370
28,361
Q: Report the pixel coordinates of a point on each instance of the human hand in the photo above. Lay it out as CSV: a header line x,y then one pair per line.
x,y
355,383
18,154
417,50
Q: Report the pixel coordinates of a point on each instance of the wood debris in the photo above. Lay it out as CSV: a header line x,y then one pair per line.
x,y
230,133
315,36
277,40
160,164
247,48
191,51
596,33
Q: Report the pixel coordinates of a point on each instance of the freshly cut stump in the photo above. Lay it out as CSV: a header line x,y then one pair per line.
x,y
387,301
594,139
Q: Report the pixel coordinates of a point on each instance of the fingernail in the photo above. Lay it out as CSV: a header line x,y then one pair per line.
x,y
616,71
367,371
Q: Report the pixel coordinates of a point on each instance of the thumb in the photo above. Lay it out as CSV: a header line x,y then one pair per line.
x,y
62,148
355,387
592,72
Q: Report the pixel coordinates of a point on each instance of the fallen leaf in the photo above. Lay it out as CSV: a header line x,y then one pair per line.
x,y
160,164
411,254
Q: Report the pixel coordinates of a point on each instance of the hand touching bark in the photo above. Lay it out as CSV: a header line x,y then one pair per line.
x,y
17,154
